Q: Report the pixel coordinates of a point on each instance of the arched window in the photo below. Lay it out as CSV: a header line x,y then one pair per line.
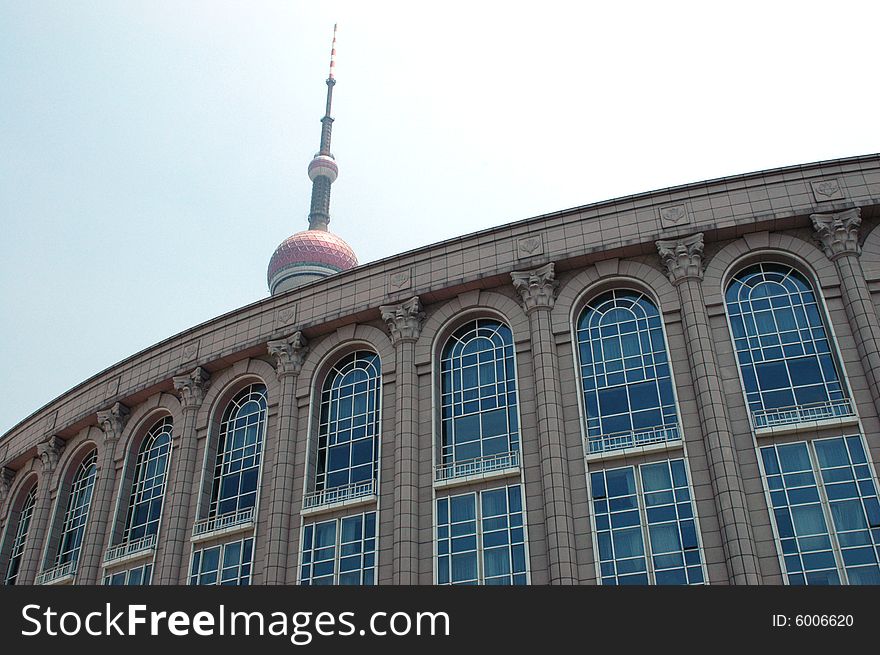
x,y
239,453
21,532
627,383
479,424
783,347
148,483
348,429
78,503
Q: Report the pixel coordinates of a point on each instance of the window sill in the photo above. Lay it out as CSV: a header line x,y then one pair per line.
x,y
59,575
659,447
325,508
477,477
134,550
806,426
220,526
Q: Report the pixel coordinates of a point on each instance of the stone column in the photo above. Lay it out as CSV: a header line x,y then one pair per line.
x,y
405,325
176,512
838,234
111,422
289,354
49,452
537,289
683,262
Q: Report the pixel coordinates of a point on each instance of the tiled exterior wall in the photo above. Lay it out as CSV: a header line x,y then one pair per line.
x,y
592,248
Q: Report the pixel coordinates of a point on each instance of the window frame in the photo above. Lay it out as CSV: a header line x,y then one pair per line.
x,y
816,471
209,506
122,521
507,463
798,266
313,522
17,539
60,520
644,525
476,492
578,308
323,384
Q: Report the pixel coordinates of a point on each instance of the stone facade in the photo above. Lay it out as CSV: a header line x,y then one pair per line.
x,y
679,246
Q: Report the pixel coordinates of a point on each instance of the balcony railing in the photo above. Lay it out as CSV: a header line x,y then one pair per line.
x,y
604,443
338,494
223,522
130,548
56,573
768,418
485,464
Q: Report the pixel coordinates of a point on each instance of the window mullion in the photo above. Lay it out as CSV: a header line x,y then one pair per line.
x,y
826,512
643,521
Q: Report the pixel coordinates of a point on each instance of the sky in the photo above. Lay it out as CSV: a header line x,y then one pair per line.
x,y
153,154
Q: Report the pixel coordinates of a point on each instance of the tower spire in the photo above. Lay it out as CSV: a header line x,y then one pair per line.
x,y
315,253
322,169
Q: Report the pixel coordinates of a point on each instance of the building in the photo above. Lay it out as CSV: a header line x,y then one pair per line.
x,y
681,386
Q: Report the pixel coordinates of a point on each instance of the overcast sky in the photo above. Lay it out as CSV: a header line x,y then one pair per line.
x,y
153,154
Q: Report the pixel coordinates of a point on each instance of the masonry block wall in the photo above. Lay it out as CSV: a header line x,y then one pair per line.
x,y
680,247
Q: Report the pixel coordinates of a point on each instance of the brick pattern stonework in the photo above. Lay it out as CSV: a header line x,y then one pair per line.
x,y
535,275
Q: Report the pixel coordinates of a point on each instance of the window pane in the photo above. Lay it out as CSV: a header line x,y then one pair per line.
x,y
625,377
478,391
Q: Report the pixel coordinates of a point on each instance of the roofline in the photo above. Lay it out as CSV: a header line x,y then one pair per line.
x,y
704,185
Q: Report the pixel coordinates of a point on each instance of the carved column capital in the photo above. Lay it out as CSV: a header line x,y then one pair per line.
x,y
683,258
49,452
192,387
112,421
404,320
838,233
537,288
289,354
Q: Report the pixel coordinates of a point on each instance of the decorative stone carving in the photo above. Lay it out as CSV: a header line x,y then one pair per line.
x,y
7,475
285,317
683,258
191,388
674,215
537,288
404,320
838,233
49,452
825,190
530,246
289,354
399,281
190,352
113,420
113,387
51,419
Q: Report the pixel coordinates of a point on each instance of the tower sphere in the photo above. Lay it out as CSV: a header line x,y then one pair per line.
x,y
307,256
323,165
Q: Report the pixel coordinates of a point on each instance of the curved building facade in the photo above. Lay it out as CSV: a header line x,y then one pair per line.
x,y
677,387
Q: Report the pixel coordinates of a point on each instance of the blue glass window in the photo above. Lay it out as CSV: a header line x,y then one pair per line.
x,y
139,575
824,500
226,564
479,421
340,551
78,503
348,432
148,485
625,373
782,346
21,532
646,530
239,453
481,538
